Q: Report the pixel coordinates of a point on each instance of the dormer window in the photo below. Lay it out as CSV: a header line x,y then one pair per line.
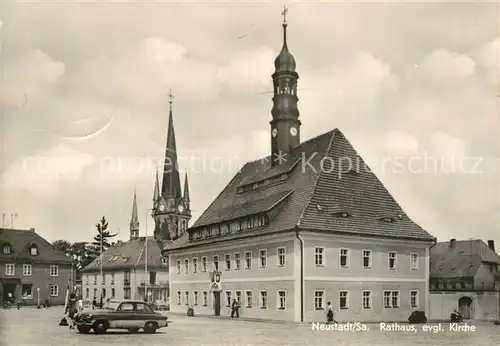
x,y
353,172
7,249
34,250
387,219
342,214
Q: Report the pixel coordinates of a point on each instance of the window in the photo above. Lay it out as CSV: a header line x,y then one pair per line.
x,y
263,299
126,293
144,308
414,261
205,298
27,269
263,258
195,265
344,258
87,293
367,300
318,300
178,266
248,260
391,299
281,256
112,279
112,293
204,264
178,297
282,300
95,292
248,298
10,269
95,279
126,307
6,249
237,261
54,270
103,279
195,298
186,298
238,297
392,260
34,250
414,299
27,291
54,290
344,299
216,263
103,293
228,298
228,262
367,259
319,253
186,266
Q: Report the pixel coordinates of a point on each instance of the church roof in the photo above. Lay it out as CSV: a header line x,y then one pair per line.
x,y
312,194
463,259
128,255
21,241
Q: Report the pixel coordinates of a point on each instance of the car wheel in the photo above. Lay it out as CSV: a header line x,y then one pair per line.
x,y
100,327
83,329
150,327
133,330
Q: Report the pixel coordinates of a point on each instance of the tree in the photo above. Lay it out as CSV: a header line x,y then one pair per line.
x,y
63,246
81,252
102,235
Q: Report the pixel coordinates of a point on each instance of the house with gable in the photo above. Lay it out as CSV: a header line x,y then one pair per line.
x,y
306,225
31,269
465,275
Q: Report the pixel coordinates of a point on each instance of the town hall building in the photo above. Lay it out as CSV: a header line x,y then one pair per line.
x,y
296,230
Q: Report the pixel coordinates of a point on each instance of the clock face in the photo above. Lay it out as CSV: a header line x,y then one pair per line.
x,y
181,208
293,131
162,207
275,132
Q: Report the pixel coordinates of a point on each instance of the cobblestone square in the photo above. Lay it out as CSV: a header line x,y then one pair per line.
x,y
30,326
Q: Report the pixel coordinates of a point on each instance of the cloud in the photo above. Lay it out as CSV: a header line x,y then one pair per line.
x,y
400,143
449,151
443,66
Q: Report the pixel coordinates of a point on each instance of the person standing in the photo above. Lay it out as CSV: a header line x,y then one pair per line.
x,y
235,307
329,313
94,303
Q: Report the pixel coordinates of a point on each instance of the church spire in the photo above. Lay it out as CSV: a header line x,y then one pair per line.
x,y
171,184
186,192
134,220
285,126
156,193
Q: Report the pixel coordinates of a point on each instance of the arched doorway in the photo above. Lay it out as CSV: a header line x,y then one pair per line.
x,y
465,307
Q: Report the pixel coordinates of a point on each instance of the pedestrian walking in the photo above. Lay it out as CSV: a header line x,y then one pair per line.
x,y
72,309
235,309
94,303
329,313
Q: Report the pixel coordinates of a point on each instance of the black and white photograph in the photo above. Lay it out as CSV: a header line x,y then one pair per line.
x,y
249,172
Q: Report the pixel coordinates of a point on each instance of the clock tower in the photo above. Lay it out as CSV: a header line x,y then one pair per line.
x,y
171,210
285,126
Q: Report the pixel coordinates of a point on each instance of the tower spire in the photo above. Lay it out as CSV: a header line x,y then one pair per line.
x,y
171,184
134,220
156,193
285,126
186,191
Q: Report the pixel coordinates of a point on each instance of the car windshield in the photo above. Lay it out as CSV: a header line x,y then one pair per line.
x,y
110,305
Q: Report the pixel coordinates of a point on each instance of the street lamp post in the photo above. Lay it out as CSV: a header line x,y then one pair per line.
x,y
146,278
38,297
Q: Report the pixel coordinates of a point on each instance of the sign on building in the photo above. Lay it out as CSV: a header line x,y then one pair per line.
x,y
215,282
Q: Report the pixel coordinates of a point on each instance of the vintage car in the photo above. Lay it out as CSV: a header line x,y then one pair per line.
x,y
160,305
131,315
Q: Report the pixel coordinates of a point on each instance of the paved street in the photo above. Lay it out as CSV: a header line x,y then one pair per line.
x,y
30,326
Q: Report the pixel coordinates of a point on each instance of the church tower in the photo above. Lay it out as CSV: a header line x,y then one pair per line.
x,y
285,126
134,220
171,210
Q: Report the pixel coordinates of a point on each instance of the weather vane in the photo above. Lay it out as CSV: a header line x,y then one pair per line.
x,y
170,97
283,13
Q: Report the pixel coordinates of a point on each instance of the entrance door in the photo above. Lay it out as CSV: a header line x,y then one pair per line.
x,y
9,288
465,307
217,303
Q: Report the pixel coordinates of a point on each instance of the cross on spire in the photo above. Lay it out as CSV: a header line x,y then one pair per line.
x,y
283,13
170,97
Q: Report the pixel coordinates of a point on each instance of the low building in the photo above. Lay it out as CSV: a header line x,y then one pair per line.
x,y
306,225
128,270
465,275
32,269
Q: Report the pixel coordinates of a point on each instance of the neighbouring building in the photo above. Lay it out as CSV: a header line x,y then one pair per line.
x,y
32,269
306,225
129,270
465,275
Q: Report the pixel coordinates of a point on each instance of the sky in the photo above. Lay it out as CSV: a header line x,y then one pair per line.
x,y
85,104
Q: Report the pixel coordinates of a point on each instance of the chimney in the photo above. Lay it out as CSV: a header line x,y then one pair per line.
x,y
32,229
452,243
491,245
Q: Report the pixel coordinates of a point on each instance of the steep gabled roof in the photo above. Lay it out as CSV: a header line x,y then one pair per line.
x,y
21,242
128,255
327,178
462,260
